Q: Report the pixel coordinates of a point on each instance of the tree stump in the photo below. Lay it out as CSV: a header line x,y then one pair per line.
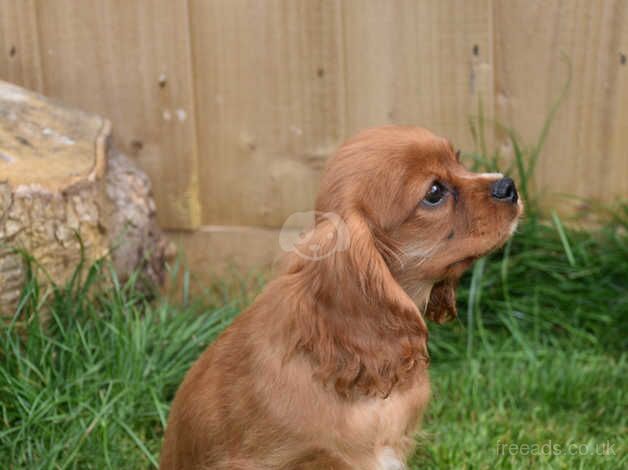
x,y
62,183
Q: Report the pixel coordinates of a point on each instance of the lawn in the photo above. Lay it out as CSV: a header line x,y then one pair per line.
x,y
533,373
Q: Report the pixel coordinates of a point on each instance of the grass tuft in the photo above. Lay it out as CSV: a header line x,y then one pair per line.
x,y
90,386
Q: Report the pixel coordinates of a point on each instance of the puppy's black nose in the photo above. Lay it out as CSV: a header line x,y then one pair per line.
x,y
504,190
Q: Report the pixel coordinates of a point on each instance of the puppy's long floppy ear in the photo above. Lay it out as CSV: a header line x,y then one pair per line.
x,y
346,251
374,274
363,332
442,304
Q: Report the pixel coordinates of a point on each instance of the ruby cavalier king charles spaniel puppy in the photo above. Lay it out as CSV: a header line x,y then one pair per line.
x,y
328,369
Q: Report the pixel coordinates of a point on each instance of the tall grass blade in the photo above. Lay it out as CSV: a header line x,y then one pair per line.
x,y
563,238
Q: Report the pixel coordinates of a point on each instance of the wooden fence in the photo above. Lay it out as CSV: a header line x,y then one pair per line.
x,y
232,106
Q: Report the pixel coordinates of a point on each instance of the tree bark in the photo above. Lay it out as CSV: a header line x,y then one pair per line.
x,y
63,185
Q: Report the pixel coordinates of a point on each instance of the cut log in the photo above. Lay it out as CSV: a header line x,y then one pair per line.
x,y
62,183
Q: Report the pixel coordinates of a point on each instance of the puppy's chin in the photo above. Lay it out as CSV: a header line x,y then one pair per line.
x,y
456,269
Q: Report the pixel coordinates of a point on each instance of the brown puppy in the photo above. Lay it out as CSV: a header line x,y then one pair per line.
x,y
328,368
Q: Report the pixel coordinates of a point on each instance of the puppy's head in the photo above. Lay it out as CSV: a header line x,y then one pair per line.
x,y
416,217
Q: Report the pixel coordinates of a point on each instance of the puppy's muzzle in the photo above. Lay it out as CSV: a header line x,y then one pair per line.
x,y
504,190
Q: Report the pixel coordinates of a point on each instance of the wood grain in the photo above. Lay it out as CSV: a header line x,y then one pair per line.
x,y
213,250
419,63
586,153
48,146
268,77
130,61
19,44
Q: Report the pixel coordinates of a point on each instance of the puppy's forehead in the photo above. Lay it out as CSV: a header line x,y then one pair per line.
x,y
394,149
431,153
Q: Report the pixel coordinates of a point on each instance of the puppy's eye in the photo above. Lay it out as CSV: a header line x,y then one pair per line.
x,y
435,195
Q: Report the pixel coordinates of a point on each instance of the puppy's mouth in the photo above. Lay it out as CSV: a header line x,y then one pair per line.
x,y
465,262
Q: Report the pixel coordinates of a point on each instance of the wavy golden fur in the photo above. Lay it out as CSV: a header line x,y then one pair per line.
x,y
328,368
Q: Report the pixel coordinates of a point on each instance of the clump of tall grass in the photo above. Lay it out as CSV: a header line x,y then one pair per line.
x,y
550,282
90,386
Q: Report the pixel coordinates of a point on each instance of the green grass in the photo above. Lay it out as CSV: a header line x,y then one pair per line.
x,y
91,390
537,357
483,405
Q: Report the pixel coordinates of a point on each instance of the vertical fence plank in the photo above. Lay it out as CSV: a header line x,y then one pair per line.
x,y
131,62
19,44
267,80
420,63
586,153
